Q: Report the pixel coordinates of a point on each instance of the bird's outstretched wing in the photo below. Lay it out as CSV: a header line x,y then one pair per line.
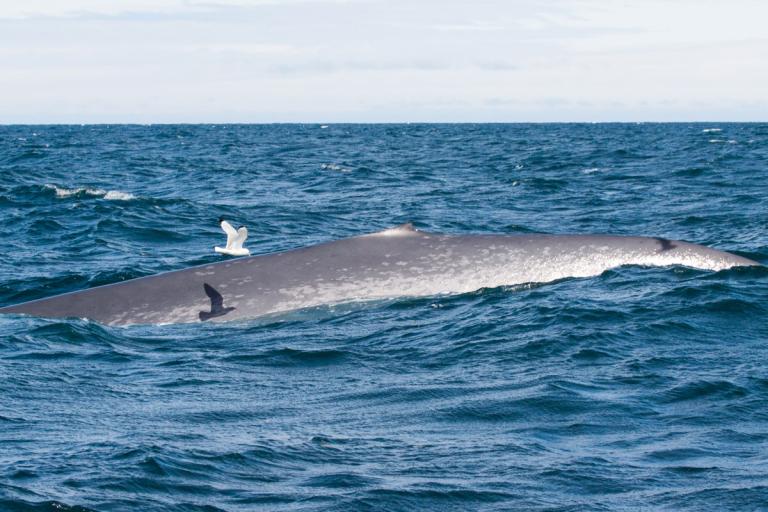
x,y
239,240
217,301
217,304
231,233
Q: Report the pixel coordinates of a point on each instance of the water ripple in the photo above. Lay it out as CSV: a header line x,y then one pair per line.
x,y
641,388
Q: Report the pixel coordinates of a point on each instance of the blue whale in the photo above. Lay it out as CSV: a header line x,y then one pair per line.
x,y
397,262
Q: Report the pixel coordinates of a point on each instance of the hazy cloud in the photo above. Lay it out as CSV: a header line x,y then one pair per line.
x,y
85,8
394,60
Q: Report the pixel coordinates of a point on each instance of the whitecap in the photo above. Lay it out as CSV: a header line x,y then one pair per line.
x,y
335,167
711,130
116,195
64,192
110,195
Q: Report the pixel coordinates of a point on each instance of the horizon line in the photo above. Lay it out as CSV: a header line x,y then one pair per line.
x,y
330,123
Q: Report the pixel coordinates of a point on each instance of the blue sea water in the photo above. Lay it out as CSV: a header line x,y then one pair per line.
x,y
639,389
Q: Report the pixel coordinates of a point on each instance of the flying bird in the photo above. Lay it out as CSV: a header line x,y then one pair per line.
x,y
235,240
217,304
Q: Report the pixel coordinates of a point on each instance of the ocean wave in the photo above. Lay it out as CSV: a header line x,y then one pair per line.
x,y
40,506
616,392
335,167
109,195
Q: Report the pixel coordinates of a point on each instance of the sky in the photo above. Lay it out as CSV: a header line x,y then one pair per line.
x,y
260,61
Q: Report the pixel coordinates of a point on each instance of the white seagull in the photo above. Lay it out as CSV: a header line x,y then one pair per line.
x,y
235,240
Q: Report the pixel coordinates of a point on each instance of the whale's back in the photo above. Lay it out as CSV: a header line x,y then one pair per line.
x,y
397,262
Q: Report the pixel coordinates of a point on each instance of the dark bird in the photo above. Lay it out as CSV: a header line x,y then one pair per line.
x,y
217,304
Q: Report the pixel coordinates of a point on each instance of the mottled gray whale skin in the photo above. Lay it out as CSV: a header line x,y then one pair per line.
x,y
398,262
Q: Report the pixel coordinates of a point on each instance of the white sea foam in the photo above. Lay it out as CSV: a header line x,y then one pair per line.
x,y
110,195
591,170
711,130
68,192
116,195
335,167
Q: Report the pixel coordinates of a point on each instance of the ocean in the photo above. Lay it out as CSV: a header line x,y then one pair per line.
x,y
638,389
